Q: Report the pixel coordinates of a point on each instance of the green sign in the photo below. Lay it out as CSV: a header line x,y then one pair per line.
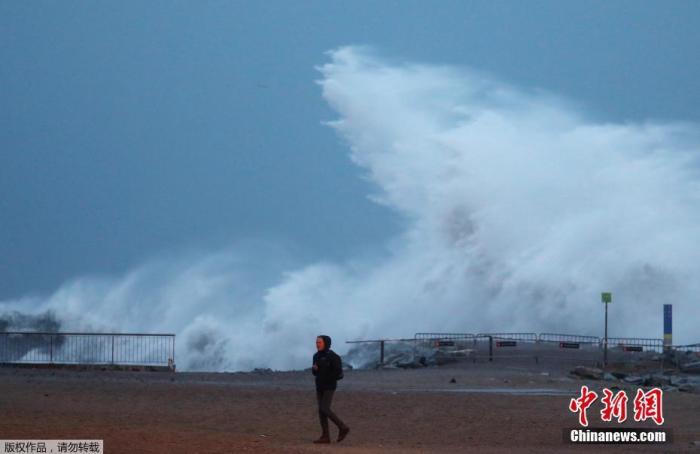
x,y
606,297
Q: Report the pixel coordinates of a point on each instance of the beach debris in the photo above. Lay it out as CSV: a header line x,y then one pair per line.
x,y
592,373
634,379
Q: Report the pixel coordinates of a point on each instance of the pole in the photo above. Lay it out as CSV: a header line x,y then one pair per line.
x,y
381,353
605,340
606,298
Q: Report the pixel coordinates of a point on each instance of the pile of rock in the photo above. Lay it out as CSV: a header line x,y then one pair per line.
x,y
404,355
668,381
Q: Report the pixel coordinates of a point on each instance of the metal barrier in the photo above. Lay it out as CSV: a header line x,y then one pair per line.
x,y
692,348
443,336
87,348
523,337
381,343
636,344
455,340
545,346
568,338
511,346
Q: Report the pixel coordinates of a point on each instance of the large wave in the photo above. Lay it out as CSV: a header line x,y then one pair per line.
x,y
518,211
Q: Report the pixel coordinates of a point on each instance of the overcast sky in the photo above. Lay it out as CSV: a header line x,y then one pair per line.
x,y
129,130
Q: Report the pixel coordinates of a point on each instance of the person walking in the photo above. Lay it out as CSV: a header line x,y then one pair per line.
x,y
328,369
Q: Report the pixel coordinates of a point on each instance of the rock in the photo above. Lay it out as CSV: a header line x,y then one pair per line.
x,y
688,388
693,380
619,375
588,372
669,389
658,380
607,376
453,380
691,368
634,379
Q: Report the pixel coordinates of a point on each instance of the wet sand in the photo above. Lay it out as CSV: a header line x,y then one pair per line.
x,y
488,408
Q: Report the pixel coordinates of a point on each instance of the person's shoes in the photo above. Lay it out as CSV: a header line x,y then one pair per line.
x,y
343,433
324,439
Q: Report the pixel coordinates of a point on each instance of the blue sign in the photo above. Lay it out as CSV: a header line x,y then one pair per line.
x,y
668,324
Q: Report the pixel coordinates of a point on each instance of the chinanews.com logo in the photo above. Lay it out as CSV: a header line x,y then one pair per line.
x,y
647,405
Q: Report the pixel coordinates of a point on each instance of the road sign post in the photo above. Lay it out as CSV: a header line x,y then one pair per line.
x,y
606,298
668,326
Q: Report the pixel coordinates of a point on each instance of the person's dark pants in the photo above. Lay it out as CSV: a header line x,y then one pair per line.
x,y
324,398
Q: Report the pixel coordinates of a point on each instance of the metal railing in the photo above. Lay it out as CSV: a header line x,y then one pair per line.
x,y
636,343
519,345
568,338
692,348
523,337
87,348
443,336
381,343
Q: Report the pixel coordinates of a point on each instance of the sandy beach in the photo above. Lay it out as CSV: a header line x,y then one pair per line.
x,y
459,408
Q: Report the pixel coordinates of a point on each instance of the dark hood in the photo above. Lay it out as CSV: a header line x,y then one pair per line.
x,y
326,342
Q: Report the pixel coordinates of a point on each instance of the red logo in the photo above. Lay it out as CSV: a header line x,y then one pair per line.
x,y
614,406
581,404
647,405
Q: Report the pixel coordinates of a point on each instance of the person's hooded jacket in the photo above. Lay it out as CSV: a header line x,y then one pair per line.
x,y
330,367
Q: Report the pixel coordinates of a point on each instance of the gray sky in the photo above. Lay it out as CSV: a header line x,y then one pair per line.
x,y
133,129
